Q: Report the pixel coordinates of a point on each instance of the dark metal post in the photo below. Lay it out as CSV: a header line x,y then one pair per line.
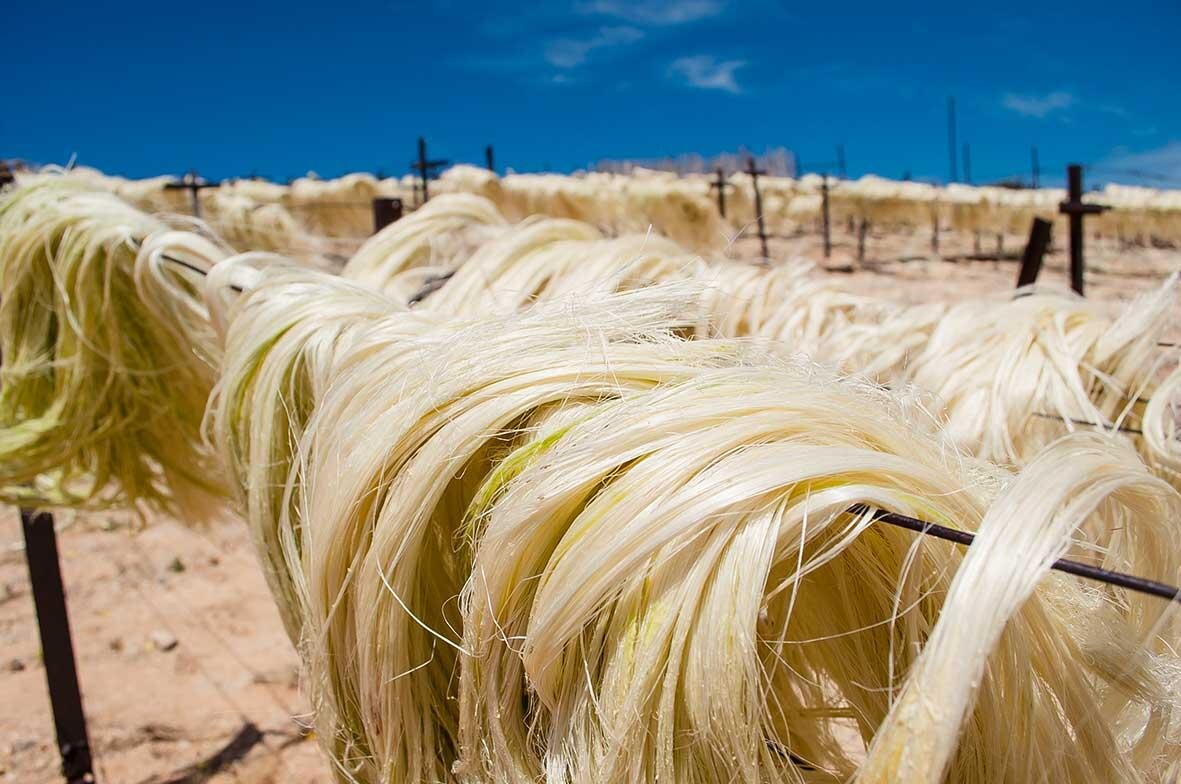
x,y
425,169
1037,169
1076,209
721,184
422,167
951,146
489,160
824,215
1035,251
386,210
57,648
193,183
1074,180
753,171
968,163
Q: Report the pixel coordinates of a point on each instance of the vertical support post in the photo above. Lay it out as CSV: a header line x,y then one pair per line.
x,y
1000,244
967,163
1037,169
951,145
862,230
720,184
1076,209
422,169
489,160
57,648
1074,192
935,232
386,210
824,216
194,184
754,181
1035,251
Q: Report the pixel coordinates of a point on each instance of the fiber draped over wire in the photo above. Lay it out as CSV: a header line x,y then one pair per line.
x,y
570,545
1009,374
104,379
584,514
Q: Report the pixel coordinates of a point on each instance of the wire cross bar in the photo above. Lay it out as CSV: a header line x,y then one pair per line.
x,y
1130,581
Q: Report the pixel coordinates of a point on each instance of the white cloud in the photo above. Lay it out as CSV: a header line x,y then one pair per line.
x,y
706,72
572,52
1038,105
655,12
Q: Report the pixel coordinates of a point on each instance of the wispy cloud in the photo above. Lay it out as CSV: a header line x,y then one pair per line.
x,y
655,12
573,52
706,72
1159,167
1039,106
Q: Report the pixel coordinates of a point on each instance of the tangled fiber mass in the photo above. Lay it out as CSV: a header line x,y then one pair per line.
x,y
584,513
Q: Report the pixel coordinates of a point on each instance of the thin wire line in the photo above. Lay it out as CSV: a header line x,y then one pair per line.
x,y
1130,581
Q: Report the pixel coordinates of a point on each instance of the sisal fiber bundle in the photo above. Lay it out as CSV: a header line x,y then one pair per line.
x,y
105,373
1013,375
568,545
279,342
432,240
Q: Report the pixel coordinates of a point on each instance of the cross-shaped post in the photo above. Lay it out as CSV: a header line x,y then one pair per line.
x,y
1075,209
754,173
193,183
721,185
425,168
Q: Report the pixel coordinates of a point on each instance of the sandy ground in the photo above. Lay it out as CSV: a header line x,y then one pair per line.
x,y
134,589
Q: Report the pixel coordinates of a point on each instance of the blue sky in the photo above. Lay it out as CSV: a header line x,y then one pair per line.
x,y
280,88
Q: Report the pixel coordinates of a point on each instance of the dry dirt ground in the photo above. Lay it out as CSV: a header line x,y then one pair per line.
x,y
133,590
156,709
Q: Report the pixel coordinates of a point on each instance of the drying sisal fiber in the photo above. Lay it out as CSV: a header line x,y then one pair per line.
x,y
280,338
569,545
105,374
530,531
1005,370
1007,374
433,240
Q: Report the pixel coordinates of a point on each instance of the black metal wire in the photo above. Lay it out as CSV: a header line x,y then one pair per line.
x,y
1085,423
187,265
430,286
1120,579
